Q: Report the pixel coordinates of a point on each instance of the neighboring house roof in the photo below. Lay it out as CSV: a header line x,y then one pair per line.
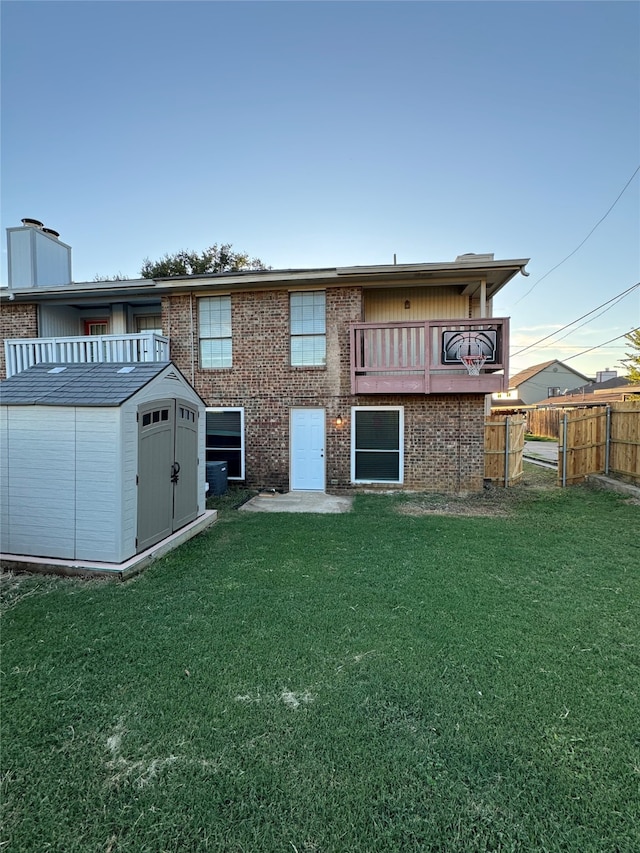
x,y
79,384
530,372
598,397
608,384
513,403
467,270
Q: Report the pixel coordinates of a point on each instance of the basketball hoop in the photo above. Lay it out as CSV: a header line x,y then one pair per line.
x,y
473,363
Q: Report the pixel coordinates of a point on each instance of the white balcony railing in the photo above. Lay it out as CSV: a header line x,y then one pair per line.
x,y
21,353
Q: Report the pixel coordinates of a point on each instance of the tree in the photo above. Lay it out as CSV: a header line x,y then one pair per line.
x,y
216,258
632,360
117,277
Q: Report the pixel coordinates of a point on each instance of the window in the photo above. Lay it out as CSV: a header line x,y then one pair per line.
x,y
308,329
225,440
96,327
149,323
215,331
155,417
377,444
553,392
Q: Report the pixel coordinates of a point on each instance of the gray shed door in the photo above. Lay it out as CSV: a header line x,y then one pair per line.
x,y
167,469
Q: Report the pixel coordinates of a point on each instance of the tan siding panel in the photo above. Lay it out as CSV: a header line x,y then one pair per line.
x,y
433,303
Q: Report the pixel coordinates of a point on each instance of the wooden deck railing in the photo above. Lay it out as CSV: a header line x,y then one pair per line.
x,y
423,357
21,353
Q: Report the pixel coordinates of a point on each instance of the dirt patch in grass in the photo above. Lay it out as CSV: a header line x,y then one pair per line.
x,y
492,502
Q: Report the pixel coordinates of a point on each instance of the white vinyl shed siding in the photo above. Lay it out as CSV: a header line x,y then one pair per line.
x,y
97,484
42,504
4,477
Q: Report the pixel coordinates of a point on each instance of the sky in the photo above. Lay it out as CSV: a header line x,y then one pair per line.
x,y
322,134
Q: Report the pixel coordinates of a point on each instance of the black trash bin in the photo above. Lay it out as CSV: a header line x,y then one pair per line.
x,y
217,478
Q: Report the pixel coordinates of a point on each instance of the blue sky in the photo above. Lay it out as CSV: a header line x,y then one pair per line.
x,y
336,133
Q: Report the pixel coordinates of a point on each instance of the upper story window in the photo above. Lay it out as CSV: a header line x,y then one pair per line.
x,y
308,329
214,321
149,323
96,327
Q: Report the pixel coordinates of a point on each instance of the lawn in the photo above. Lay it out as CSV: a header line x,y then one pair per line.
x,y
422,674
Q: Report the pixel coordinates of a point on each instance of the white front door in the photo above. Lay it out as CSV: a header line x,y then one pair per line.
x,y
307,450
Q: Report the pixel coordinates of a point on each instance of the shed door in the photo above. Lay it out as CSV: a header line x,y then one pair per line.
x,y
167,469
185,487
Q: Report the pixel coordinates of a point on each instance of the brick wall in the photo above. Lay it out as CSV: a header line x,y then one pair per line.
x,y
16,321
444,435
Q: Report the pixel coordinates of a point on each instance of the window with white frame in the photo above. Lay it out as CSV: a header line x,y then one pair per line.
x,y
225,439
214,321
149,323
377,444
308,329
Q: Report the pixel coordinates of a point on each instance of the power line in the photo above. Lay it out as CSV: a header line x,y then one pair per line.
x,y
618,297
584,351
536,283
597,346
586,322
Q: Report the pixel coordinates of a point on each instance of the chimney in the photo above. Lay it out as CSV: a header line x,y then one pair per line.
x,y
606,374
37,258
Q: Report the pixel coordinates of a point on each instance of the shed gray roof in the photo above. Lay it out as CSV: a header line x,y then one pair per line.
x,y
78,384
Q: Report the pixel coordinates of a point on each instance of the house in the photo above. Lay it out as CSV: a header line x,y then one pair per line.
x,y
336,378
614,390
549,379
98,461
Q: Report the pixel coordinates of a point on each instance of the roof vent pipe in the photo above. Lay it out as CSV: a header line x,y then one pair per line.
x,y
32,223
51,232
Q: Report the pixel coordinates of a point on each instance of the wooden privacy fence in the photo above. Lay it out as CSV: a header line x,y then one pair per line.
x,y
544,422
602,440
503,446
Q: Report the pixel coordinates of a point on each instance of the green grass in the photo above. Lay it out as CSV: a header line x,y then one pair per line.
x,y
393,679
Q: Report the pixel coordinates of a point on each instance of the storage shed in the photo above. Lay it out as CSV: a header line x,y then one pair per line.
x,y
98,461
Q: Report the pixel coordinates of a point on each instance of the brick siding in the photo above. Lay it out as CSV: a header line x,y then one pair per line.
x,y
444,434
16,321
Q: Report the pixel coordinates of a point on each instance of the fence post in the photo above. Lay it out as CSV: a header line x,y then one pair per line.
x,y
506,451
564,450
607,443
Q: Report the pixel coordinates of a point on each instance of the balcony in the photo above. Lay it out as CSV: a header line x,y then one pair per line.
x,y
425,357
21,353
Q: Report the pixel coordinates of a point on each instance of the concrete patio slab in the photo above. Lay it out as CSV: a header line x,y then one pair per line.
x,y
298,502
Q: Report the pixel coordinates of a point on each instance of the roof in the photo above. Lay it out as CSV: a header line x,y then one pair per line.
x,y
598,397
530,372
515,403
608,384
78,384
468,271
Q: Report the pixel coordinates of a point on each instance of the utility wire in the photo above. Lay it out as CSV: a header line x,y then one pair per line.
x,y
573,322
586,322
536,283
597,346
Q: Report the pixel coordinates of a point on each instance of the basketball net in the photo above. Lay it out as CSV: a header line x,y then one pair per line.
x,y
473,363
